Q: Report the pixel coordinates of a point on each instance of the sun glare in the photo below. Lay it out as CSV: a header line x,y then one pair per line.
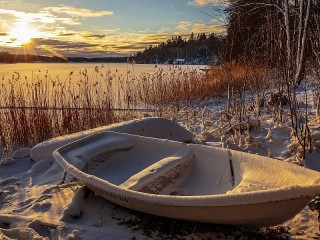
x,y
22,33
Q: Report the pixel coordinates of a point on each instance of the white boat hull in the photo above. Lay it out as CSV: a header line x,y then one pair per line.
x,y
189,182
255,215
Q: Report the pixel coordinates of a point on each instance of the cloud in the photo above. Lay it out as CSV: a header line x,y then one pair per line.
x,y
84,43
67,21
43,17
184,26
111,30
129,47
129,43
66,34
51,15
59,37
27,17
76,44
14,14
79,12
201,3
60,44
93,54
94,36
50,47
199,27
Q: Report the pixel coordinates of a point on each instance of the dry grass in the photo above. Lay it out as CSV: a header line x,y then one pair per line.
x,y
43,107
39,108
184,86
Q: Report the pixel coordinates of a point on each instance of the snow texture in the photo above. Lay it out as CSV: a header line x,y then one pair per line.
x,y
32,203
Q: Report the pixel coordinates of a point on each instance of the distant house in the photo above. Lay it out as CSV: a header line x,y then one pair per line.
x,y
179,61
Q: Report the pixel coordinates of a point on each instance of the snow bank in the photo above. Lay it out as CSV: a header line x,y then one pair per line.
x,y
21,153
74,210
25,194
20,233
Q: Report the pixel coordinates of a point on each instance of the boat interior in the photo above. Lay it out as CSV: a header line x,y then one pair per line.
x,y
165,167
155,166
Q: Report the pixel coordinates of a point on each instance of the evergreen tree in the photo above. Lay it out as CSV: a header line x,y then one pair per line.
x,y
196,47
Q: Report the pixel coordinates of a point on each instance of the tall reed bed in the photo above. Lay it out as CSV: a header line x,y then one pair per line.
x,y
191,85
36,109
175,85
44,106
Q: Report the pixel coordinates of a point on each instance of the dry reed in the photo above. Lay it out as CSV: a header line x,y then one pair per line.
x,y
43,107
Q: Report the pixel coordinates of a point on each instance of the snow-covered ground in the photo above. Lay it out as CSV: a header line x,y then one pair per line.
x,y
33,205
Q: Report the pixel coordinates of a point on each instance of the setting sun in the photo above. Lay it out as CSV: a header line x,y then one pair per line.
x,y
22,33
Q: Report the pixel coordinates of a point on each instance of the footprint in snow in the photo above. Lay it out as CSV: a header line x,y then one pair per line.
x,y
36,204
9,181
43,197
42,207
24,205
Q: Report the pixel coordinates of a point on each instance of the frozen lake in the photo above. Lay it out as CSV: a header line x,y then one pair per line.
x,y
63,70
77,84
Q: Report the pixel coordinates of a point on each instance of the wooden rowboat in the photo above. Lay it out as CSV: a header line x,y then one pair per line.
x,y
187,181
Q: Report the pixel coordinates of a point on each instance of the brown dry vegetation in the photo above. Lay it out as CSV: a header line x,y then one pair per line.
x,y
43,107
37,109
185,86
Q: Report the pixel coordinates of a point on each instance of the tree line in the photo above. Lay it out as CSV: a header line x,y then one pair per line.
x,y
6,57
280,33
199,48
276,44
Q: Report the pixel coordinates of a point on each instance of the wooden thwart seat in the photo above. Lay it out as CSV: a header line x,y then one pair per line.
x,y
162,173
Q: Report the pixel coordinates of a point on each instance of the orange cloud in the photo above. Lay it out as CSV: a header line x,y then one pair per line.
x,y
79,12
198,27
184,26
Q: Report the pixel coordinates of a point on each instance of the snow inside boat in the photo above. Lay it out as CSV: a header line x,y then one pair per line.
x,y
188,181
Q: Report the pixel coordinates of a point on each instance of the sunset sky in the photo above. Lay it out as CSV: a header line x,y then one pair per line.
x,y
99,28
